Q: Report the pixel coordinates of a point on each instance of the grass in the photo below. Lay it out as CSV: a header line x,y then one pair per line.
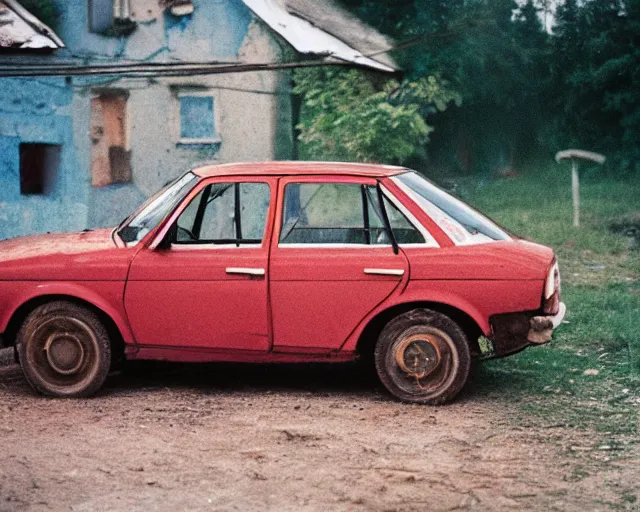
x,y
601,287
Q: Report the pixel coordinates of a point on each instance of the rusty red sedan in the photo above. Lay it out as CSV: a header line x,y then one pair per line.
x,y
280,262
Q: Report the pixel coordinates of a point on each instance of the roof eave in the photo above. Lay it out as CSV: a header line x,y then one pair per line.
x,y
34,22
308,39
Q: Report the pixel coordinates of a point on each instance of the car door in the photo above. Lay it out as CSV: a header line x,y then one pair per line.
x,y
332,261
207,288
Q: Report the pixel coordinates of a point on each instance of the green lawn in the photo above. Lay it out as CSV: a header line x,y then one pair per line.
x,y
601,287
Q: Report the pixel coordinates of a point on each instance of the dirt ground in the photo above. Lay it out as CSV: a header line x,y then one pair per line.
x,y
234,437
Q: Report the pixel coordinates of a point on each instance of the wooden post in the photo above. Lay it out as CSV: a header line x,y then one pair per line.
x,y
575,192
574,155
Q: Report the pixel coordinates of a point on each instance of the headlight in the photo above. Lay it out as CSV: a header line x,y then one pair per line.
x,y
551,302
553,281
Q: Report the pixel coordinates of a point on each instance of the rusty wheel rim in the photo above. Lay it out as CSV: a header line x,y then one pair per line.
x,y
423,361
63,351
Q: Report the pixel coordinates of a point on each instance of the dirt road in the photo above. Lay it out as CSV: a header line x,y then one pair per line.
x,y
232,437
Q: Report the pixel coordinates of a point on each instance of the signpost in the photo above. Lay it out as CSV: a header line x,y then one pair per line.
x,y
575,155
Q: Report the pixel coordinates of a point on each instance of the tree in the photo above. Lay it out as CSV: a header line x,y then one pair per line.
x,y
45,10
599,43
347,115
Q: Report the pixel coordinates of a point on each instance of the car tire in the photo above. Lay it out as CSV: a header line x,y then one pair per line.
x,y
64,350
423,357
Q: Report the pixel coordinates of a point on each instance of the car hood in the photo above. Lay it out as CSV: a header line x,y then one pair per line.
x,y
504,260
89,255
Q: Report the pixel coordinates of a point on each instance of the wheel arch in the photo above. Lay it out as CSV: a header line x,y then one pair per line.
x,y
18,317
369,335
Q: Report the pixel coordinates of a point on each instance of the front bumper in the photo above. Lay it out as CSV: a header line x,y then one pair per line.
x,y
514,332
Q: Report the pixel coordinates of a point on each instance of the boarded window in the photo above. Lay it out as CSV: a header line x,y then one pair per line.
x,y
38,167
110,155
197,119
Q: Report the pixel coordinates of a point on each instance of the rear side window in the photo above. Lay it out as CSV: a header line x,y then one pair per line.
x,y
225,213
341,213
463,224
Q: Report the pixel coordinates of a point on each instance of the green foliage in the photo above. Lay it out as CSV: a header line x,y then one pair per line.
x,y
600,104
601,287
526,93
346,115
600,273
45,10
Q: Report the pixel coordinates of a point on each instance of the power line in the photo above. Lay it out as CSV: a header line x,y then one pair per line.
x,y
170,69
159,69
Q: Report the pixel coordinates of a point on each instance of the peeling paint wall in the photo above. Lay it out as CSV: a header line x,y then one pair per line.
x,y
214,31
253,112
39,111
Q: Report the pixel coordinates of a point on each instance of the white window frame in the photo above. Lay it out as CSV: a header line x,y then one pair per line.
x,y
430,242
217,139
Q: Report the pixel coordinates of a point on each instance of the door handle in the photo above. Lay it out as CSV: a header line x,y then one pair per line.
x,y
245,271
384,271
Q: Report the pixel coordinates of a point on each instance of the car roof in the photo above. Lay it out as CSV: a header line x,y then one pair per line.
x,y
298,168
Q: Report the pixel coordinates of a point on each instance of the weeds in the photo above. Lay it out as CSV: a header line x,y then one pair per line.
x,y
601,287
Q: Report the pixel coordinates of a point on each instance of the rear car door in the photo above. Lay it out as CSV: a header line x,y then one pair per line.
x,y
332,261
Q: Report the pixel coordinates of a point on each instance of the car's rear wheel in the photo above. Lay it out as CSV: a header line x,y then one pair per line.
x,y
423,357
64,350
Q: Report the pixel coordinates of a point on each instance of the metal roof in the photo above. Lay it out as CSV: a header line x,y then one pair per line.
x,y
298,168
19,29
321,27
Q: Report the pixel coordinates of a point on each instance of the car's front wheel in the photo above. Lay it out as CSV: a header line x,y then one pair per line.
x,y
422,356
64,350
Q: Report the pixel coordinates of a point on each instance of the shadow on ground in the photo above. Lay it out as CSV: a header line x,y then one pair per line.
x,y
339,379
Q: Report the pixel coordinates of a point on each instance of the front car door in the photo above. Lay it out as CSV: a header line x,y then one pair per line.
x,y
332,261
207,288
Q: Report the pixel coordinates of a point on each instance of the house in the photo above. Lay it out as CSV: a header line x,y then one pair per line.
x,y
82,150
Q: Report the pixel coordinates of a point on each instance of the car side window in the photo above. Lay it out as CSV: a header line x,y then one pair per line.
x,y
225,213
340,213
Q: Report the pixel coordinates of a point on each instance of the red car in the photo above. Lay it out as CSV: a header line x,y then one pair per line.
x,y
280,262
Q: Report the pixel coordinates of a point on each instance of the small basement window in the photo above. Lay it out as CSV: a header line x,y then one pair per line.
x,y
198,119
39,165
110,154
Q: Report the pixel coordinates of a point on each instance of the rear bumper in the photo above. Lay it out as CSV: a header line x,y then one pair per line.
x,y
514,332
542,327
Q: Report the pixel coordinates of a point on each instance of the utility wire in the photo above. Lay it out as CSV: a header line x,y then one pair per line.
x,y
169,69
136,70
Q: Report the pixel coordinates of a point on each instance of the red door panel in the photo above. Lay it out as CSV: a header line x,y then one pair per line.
x,y
319,296
186,298
320,292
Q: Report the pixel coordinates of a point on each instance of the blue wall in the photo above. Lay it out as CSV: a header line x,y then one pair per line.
x,y
39,110
43,110
214,31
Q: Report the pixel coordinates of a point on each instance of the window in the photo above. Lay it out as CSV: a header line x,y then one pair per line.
x,y
38,168
463,224
197,119
110,155
110,17
225,213
147,217
340,213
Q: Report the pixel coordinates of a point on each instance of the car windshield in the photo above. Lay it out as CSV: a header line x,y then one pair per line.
x,y
463,224
153,210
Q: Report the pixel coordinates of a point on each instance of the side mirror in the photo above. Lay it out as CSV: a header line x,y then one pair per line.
x,y
168,238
